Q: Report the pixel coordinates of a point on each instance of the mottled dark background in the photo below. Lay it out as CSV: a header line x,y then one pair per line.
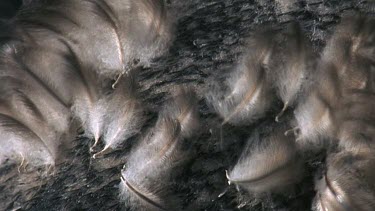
x,y
210,35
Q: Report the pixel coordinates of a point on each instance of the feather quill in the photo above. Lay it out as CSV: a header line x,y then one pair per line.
x,y
148,171
267,164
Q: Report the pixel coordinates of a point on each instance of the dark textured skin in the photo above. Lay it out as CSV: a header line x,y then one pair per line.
x,y
210,36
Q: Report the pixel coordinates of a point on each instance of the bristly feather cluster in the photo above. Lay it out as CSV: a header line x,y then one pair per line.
x,y
149,171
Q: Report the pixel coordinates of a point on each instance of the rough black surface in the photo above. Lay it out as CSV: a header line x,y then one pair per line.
x,y
210,36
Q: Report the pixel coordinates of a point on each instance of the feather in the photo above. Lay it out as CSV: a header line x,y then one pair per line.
x,y
357,122
267,164
63,33
348,183
351,51
146,176
123,114
249,93
150,29
20,144
79,62
315,113
28,101
154,158
316,121
55,112
291,66
345,65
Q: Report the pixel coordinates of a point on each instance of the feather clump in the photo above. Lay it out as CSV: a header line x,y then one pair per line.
x,y
348,183
277,63
146,177
65,35
126,31
344,66
32,117
269,163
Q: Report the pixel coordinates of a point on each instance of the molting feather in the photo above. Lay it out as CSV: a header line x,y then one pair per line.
x,y
291,65
267,164
249,93
348,183
146,178
123,114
